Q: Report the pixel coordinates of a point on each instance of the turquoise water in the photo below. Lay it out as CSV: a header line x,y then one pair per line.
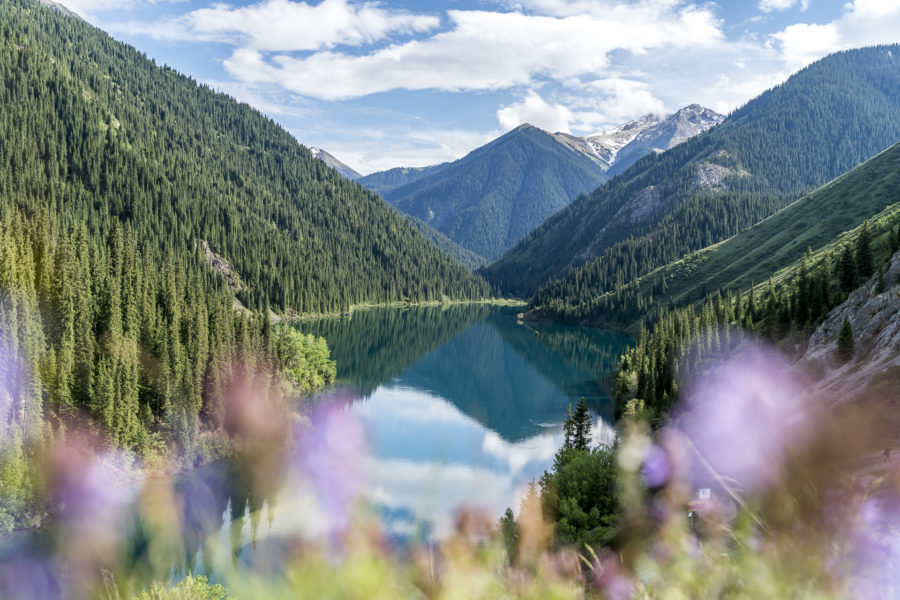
x,y
462,406
436,409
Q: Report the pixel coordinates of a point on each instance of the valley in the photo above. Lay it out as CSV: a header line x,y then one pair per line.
x,y
660,358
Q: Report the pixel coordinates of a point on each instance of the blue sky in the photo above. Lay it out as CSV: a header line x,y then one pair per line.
x,y
409,83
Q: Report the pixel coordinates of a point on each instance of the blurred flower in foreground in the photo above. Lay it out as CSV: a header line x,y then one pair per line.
x,y
743,414
94,496
875,548
29,579
331,454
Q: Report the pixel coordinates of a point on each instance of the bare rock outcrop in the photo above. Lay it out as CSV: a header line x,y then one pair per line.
x,y
875,319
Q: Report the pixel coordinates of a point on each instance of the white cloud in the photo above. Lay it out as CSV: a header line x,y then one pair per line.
x,y
731,92
285,25
863,23
802,43
370,151
613,101
483,51
534,110
780,5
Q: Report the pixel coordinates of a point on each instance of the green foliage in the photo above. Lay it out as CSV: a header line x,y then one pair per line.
x,y
579,494
189,588
845,342
847,268
577,428
111,172
867,193
491,198
585,484
509,533
864,260
304,359
682,339
95,132
820,123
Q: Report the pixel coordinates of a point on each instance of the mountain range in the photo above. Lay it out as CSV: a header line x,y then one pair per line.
x,y
622,146
128,141
489,199
820,223
821,122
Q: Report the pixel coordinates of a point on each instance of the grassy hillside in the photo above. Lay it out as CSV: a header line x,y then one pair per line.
x,y
489,199
820,123
815,221
774,247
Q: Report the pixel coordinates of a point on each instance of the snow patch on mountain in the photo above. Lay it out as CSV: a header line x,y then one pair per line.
x,y
334,163
607,144
620,147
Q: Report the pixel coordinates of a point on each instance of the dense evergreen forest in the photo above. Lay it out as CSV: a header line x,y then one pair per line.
x,y
871,190
145,349
489,199
821,122
113,172
93,130
466,258
682,339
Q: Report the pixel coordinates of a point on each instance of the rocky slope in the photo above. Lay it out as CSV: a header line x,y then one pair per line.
x,y
619,148
875,319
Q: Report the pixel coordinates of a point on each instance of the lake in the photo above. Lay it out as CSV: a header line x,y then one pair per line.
x,y
463,405
435,408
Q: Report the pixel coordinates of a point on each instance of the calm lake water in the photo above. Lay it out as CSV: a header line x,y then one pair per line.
x,y
463,405
436,408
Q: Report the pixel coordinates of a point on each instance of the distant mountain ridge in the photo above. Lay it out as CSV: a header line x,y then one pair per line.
x,y
821,122
498,193
620,147
492,197
334,163
770,250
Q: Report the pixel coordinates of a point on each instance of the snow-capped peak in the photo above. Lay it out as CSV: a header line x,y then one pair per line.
x,y
606,144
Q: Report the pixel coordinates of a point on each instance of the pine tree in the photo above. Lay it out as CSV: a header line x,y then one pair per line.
x,y
581,426
865,263
845,342
803,291
847,271
509,532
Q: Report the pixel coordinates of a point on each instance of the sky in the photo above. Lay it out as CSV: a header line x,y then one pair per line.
x,y
389,83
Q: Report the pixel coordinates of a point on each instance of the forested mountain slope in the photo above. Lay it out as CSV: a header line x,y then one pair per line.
x,y
490,198
93,129
466,258
796,311
116,176
821,122
870,191
384,182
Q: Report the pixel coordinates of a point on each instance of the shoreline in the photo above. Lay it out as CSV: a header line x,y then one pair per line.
x,y
292,318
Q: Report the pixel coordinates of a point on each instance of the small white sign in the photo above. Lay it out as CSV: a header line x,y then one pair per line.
x,y
703,494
